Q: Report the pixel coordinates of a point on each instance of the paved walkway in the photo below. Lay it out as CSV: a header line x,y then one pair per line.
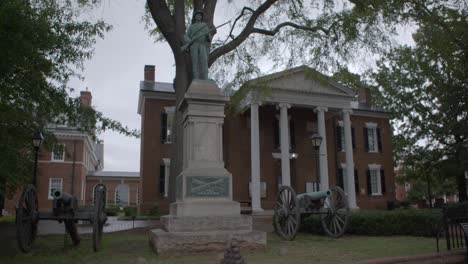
x,y
47,227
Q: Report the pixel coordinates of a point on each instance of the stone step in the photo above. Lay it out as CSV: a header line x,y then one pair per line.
x,y
188,243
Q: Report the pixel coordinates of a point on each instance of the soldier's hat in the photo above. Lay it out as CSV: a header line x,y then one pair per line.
x,y
197,12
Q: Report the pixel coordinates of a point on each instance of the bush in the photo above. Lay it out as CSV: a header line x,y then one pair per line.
x,y
154,211
408,222
130,211
112,210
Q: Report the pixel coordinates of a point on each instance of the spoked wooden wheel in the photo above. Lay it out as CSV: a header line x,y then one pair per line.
x,y
287,215
99,217
335,214
27,218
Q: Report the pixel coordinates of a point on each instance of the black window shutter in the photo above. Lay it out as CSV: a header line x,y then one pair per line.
x,y
276,134
356,182
162,178
163,127
366,139
352,137
338,138
382,181
293,135
379,140
339,178
369,188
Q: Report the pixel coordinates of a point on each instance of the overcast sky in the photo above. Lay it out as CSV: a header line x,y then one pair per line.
x,y
116,69
114,73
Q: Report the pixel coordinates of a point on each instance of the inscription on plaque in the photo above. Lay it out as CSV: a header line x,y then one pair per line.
x,y
207,186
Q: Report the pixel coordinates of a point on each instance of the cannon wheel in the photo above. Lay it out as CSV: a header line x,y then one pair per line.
x,y
99,217
27,218
335,214
72,230
287,216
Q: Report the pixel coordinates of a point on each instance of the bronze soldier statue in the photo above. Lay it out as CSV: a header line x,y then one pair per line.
x,y
198,37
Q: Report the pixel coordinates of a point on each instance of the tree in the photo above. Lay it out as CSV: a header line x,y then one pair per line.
x,y
322,34
43,43
425,86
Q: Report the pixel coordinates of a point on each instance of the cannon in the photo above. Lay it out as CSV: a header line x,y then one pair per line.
x,y
331,205
65,209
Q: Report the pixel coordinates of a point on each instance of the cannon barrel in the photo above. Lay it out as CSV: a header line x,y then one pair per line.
x,y
64,202
64,197
315,195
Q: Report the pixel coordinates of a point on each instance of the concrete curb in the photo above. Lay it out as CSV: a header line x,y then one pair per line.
x,y
456,256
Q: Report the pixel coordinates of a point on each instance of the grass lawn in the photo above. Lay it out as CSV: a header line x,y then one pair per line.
x,y
132,247
7,219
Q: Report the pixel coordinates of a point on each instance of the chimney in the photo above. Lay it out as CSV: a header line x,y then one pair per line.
x,y
86,98
364,96
149,73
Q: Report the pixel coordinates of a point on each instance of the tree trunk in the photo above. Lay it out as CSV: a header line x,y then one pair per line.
x,y
181,83
461,181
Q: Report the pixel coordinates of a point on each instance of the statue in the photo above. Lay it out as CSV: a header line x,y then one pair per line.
x,y
198,37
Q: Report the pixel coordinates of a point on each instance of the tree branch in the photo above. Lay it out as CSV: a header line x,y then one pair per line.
x,y
293,25
164,20
218,52
237,19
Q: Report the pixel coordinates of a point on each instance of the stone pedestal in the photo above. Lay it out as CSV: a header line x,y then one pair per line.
x,y
204,217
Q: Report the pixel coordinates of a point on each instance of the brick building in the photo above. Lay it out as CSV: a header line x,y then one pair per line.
x,y
75,165
267,142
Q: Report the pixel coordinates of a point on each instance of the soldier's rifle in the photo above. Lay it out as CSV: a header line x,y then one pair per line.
x,y
187,45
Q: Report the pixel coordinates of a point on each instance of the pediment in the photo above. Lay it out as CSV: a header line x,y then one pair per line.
x,y
303,80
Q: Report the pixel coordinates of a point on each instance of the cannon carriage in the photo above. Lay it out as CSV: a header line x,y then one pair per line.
x,y
65,209
331,205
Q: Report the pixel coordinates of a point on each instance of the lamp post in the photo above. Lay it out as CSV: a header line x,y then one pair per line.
x,y
316,142
37,140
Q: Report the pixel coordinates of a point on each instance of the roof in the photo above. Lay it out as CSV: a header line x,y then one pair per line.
x,y
157,86
130,174
310,74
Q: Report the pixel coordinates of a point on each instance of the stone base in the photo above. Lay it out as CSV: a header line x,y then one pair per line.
x,y
207,223
189,243
192,235
202,208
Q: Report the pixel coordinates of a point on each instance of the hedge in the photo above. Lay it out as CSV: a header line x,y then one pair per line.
x,y
408,222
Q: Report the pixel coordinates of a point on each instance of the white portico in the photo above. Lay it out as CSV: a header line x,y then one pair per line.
x,y
299,87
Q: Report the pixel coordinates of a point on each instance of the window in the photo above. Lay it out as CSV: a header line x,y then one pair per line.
x,y
167,120
58,152
164,172
162,179
340,137
122,195
372,138
138,196
375,180
55,184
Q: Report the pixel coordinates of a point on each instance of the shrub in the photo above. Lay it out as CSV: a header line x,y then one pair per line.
x,y
409,222
154,211
112,210
130,211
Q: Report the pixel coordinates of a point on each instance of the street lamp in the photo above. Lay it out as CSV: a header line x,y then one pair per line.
x,y
37,140
316,142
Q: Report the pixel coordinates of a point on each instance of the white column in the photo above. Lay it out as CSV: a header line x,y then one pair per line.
x,y
323,147
284,144
255,157
349,159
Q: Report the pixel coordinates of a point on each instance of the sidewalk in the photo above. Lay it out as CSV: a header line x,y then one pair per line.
x,y
49,227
